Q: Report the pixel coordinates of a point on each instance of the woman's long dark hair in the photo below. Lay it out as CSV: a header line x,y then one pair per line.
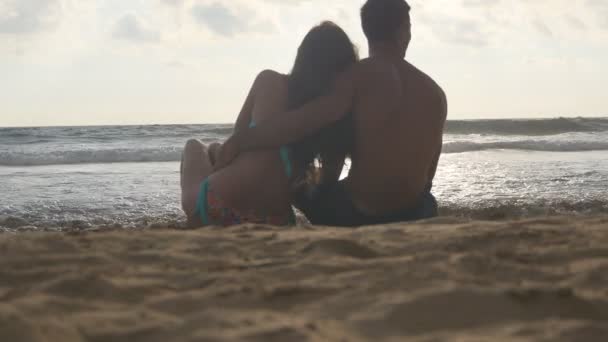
x,y
325,53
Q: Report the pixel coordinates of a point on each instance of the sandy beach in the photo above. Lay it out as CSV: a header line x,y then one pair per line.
x,y
441,280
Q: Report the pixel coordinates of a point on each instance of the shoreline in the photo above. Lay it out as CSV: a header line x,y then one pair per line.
x,y
445,279
10,224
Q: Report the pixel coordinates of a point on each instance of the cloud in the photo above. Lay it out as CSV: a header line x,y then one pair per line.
x,y
227,21
482,23
460,31
218,19
177,3
480,3
600,7
451,29
575,22
29,16
541,27
132,28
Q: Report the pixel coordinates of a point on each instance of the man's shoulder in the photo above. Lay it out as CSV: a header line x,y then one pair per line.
x,y
422,76
430,84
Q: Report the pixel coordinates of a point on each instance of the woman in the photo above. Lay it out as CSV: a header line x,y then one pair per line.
x,y
258,187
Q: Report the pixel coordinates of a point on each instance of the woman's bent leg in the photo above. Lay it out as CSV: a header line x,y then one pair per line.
x,y
214,150
195,168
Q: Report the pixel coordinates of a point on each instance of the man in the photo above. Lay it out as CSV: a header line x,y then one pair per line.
x,y
399,114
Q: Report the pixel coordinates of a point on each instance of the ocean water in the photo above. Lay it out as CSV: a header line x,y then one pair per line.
x,y
128,176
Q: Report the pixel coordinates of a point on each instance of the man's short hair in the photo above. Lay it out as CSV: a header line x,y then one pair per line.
x,y
382,18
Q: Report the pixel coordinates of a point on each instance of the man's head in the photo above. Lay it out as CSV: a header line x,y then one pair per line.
x,y
387,21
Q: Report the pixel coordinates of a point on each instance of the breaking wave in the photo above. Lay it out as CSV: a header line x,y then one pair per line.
x,y
173,154
525,145
537,127
90,157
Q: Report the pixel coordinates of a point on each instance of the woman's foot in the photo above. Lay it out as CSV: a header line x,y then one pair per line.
x,y
195,168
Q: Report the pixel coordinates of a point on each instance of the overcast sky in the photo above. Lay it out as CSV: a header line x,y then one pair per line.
x,y
86,62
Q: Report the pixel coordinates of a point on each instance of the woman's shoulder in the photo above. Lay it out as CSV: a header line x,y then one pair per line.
x,y
270,97
272,78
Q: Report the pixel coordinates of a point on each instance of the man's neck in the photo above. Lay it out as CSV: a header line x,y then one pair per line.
x,y
385,51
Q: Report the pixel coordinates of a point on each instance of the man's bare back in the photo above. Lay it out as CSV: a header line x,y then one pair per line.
x,y
399,116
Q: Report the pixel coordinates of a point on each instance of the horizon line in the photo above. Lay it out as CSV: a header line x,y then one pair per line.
x,y
232,123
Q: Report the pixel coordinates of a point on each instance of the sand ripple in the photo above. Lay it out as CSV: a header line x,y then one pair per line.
x,y
443,280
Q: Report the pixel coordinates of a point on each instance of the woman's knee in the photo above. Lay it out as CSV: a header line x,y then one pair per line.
x,y
194,146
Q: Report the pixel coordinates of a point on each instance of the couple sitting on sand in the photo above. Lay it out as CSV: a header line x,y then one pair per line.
x,y
295,131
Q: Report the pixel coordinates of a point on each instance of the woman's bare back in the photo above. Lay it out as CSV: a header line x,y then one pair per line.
x,y
257,181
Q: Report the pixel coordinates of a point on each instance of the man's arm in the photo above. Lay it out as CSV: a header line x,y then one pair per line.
x,y
444,117
297,124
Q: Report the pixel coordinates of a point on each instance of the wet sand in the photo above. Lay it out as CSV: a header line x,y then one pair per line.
x,y
441,280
